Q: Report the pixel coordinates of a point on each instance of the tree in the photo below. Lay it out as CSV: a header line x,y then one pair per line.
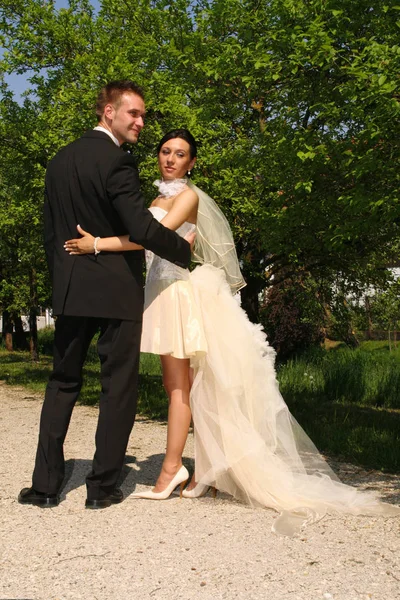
x,y
307,94
24,283
293,315
295,102
385,308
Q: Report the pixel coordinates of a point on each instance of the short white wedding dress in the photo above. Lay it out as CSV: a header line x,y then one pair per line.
x,y
247,443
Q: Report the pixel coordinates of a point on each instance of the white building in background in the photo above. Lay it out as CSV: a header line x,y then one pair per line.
x,y
44,320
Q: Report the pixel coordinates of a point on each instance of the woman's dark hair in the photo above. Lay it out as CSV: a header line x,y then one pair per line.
x,y
183,134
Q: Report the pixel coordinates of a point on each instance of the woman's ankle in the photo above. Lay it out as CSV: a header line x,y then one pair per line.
x,y
171,467
192,482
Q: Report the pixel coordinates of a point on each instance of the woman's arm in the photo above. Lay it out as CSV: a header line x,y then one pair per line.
x,y
85,244
184,208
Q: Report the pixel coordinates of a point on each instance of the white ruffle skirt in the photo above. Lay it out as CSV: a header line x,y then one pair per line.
x,y
172,323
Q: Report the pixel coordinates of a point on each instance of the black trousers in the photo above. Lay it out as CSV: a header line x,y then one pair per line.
x,y
119,351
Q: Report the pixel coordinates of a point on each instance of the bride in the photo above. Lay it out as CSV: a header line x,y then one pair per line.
x,y
219,369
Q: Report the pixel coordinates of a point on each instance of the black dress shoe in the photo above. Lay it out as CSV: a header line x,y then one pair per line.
x,y
114,498
31,496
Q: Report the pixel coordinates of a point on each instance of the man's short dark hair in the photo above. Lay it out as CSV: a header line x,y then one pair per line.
x,y
112,93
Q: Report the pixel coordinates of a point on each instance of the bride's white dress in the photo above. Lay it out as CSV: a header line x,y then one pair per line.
x,y
172,321
246,441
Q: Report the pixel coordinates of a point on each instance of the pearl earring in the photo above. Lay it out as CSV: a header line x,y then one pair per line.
x,y
188,172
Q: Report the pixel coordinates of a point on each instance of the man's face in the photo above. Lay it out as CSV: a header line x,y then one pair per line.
x,y
127,118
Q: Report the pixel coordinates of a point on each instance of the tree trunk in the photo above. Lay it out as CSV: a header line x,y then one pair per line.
x,y
327,318
250,302
350,339
19,336
368,335
7,331
33,341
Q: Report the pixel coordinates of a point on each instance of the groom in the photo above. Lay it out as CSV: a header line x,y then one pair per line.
x,y
94,183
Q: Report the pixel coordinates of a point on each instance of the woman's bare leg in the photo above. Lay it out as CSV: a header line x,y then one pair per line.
x,y
192,482
177,383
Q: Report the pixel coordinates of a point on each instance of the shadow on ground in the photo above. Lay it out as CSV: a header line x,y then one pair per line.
x,y
134,472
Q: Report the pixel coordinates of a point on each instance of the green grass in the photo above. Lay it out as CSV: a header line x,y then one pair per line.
x,y
16,368
367,376
348,401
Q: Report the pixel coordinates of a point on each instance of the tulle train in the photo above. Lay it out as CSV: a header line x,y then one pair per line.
x,y
246,441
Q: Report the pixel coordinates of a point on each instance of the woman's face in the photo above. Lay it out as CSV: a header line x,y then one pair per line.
x,y
174,159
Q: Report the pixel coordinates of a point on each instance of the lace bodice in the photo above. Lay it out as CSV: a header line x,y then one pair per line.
x,y
159,268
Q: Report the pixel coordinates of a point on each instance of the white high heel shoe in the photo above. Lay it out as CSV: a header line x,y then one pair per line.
x,y
199,490
180,479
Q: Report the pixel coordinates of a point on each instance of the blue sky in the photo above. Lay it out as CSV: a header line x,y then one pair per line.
x,y
18,83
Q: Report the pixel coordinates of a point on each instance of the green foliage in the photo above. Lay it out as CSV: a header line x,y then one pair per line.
x,y
385,307
46,340
23,278
340,324
293,316
295,103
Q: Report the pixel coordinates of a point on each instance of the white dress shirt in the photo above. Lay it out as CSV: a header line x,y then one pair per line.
x,y
104,130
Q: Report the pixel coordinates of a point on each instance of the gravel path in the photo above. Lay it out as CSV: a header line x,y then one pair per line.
x,y
176,549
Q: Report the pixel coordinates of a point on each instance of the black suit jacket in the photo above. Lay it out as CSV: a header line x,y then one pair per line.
x,y
93,183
